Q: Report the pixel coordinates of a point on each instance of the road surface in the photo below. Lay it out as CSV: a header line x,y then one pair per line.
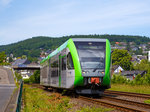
x,y
6,87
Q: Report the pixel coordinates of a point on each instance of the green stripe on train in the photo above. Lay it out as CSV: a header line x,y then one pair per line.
x,y
78,72
106,79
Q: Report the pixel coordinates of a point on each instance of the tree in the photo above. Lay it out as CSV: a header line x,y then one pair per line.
x,y
31,47
23,57
10,59
35,78
128,46
143,65
122,58
3,58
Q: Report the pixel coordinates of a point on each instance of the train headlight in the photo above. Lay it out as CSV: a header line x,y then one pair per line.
x,y
103,73
85,72
100,72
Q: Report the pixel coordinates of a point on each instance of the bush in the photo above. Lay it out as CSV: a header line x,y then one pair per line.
x,y
26,81
18,76
35,78
118,79
139,80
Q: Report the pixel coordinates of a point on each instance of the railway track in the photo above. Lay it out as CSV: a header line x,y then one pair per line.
x,y
119,104
139,104
110,92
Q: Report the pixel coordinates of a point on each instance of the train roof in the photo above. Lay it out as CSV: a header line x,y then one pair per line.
x,y
88,39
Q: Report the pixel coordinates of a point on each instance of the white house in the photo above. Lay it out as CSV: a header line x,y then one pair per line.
x,y
117,69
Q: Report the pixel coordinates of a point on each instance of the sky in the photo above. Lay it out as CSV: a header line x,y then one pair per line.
x,y
23,19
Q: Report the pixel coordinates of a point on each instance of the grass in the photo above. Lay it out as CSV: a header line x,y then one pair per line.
x,y
37,100
147,101
94,109
129,88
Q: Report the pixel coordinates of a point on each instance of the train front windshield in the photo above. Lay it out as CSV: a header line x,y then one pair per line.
x,y
91,54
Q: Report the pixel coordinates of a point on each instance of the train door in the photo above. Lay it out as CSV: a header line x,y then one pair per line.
x,y
54,71
70,74
49,73
62,69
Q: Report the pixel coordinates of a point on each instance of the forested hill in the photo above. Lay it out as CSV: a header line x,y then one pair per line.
x,y
31,47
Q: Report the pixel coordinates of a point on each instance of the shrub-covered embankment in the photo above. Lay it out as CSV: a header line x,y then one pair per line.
x,y
138,85
38,100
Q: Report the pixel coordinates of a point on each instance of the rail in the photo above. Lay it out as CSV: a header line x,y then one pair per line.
x,y
147,96
111,105
139,104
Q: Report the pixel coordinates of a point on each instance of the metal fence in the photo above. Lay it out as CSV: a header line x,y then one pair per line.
x,y
19,97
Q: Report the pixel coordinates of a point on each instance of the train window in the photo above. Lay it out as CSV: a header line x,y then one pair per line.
x,y
54,64
91,54
54,73
69,62
64,63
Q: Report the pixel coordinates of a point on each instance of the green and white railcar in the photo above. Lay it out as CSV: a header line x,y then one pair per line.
x,y
81,64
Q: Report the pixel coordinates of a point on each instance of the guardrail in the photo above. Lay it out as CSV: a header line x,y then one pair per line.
x,y
19,97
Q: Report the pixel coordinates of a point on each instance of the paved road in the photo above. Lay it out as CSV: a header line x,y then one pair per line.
x,y
5,94
6,87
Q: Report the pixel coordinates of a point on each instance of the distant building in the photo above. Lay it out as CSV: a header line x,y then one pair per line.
x,y
11,55
21,62
123,43
132,74
143,46
118,47
117,42
132,43
117,69
149,56
141,57
135,59
145,52
47,52
134,48
26,74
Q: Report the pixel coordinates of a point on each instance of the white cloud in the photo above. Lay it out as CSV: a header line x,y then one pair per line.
x,y
71,18
5,2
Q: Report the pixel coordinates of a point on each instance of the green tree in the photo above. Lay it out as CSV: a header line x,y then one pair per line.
x,y
138,80
2,58
122,58
128,46
35,78
31,47
10,59
24,57
143,65
18,76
